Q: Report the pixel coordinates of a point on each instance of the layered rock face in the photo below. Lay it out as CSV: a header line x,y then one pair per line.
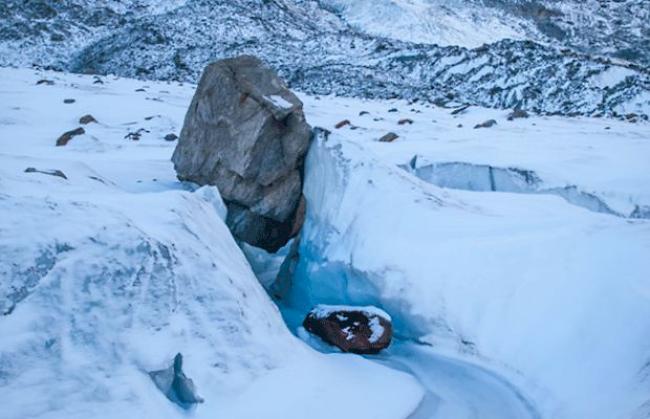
x,y
245,132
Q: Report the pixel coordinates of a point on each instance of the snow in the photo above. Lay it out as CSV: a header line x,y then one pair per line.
x,y
550,295
509,304
324,310
428,21
106,275
279,101
376,328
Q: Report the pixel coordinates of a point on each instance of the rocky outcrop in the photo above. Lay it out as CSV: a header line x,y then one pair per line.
x,y
361,330
245,132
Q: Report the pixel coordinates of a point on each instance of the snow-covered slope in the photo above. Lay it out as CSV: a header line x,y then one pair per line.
x,y
548,291
108,272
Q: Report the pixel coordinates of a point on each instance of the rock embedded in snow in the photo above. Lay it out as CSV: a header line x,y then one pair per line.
x,y
65,138
389,138
246,133
487,124
175,384
87,119
361,330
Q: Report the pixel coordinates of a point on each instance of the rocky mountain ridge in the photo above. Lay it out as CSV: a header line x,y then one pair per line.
x,y
317,51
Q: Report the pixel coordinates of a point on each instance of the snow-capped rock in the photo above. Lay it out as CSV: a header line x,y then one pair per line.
x,y
362,330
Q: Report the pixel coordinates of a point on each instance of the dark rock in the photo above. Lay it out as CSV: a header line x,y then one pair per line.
x,y
362,113
245,132
341,124
405,121
389,138
487,124
68,101
55,172
87,119
361,330
392,110
135,135
45,82
459,126
175,384
516,114
171,137
460,110
67,136
140,90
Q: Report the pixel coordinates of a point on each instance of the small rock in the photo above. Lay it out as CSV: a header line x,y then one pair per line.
x,y
608,128
87,119
516,114
405,121
68,101
361,330
140,90
45,82
460,110
343,123
98,81
392,110
171,137
389,138
135,135
176,385
67,136
46,172
487,124
459,126
362,113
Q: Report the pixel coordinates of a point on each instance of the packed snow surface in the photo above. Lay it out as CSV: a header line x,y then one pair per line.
x,y
504,304
323,310
109,272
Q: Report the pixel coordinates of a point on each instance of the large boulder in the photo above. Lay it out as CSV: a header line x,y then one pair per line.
x,y
361,330
245,132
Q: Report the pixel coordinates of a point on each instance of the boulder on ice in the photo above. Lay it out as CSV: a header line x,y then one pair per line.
x,y
245,132
361,330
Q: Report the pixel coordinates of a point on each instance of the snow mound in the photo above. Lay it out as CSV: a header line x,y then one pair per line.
x,y
322,311
553,296
109,272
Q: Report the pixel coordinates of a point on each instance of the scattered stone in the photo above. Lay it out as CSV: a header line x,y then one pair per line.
x,y
87,119
405,121
459,126
98,81
45,82
140,90
460,110
631,117
67,136
517,114
135,135
246,133
171,137
377,119
608,127
389,138
487,124
47,172
392,110
360,330
362,113
341,124
175,385
68,101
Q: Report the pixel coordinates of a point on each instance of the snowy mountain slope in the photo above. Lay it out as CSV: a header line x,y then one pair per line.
x,y
617,29
531,285
108,272
318,52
